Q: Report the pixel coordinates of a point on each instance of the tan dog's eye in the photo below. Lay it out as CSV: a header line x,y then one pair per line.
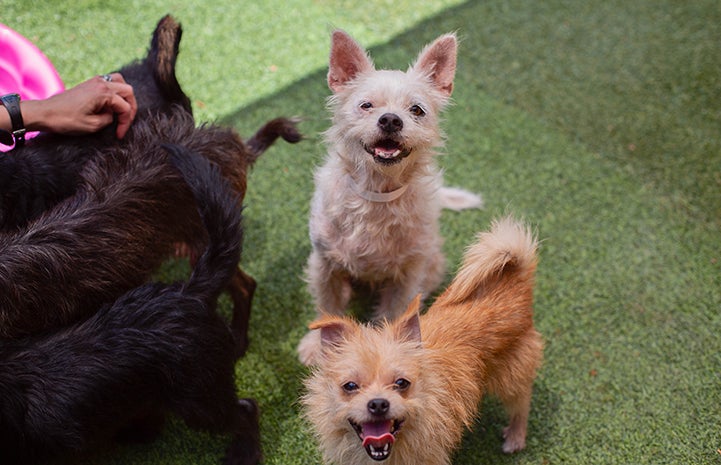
x,y
401,384
417,110
366,105
350,386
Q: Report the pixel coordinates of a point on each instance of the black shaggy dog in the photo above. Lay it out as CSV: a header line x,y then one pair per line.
x,y
159,348
130,208
80,230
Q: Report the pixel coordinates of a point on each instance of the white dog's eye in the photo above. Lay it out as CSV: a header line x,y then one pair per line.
x,y
401,384
417,110
350,386
366,105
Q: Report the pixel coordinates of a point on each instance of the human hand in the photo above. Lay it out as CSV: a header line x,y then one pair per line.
x,y
87,107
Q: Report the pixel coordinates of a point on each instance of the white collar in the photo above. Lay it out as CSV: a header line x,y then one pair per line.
x,y
381,197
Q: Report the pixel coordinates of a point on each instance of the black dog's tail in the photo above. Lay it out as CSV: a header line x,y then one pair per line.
x,y
272,130
218,208
163,53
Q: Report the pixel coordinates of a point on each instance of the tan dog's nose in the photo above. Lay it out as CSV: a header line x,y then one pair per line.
x,y
378,407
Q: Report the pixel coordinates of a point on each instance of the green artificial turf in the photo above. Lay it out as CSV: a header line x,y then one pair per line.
x,y
599,122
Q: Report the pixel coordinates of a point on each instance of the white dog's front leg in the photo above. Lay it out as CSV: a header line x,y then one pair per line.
x,y
331,290
395,297
393,300
420,277
330,287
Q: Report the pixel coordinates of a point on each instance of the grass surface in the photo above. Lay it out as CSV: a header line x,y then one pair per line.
x,y
599,122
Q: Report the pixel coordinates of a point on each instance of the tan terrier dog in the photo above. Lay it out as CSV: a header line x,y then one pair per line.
x,y
378,198
404,392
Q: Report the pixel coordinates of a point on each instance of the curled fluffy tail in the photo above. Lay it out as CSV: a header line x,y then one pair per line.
x,y
272,130
506,251
219,210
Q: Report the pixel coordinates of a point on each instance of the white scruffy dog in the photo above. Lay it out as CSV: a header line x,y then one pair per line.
x,y
378,197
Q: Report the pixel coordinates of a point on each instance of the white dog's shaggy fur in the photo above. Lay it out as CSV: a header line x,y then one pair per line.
x,y
378,198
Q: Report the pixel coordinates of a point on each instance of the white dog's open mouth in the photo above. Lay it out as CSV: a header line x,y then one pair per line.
x,y
377,436
387,151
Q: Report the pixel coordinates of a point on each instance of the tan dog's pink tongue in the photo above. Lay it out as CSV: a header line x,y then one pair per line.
x,y
378,433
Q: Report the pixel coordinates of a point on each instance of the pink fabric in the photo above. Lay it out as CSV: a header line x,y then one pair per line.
x,y
25,70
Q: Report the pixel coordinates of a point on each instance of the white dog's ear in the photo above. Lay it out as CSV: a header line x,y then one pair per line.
x,y
409,325
438,61
347,60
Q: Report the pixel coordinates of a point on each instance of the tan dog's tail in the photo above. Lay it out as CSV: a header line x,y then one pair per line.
x,y
487,315
505,253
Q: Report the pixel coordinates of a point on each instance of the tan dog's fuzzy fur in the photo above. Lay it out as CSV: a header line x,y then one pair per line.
x,y
378,198
425,375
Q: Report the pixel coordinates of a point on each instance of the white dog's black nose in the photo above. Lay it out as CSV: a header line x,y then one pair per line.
x,y
390,122
378,406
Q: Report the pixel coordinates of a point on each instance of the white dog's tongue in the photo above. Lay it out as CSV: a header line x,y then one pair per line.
x,y
378,433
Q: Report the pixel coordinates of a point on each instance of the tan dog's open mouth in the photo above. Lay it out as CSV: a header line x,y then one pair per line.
x,y
377,436
387,151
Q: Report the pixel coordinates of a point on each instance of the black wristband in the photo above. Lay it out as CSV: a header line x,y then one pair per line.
x,y
11,102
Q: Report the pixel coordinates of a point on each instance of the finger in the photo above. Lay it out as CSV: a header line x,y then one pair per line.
x,y
117,77
111,77
115,82
124,112
125,91
99,121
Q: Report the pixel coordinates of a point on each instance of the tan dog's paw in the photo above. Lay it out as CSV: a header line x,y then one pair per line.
x,y
515,437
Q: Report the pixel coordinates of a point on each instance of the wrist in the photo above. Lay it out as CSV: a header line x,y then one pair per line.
x,y
32,113
5,122
33,117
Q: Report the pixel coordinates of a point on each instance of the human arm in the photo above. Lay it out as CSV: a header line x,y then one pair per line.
x,y
87,107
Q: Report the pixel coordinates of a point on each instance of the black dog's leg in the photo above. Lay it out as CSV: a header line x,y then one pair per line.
x,y
244,448
241,289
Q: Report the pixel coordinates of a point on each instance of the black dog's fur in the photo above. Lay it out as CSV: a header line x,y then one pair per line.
x,y
102,241
124,209
159,348
130,208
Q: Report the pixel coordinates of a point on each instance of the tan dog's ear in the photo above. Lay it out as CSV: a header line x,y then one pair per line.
x,y
409,325
333,330
347,60
438,61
